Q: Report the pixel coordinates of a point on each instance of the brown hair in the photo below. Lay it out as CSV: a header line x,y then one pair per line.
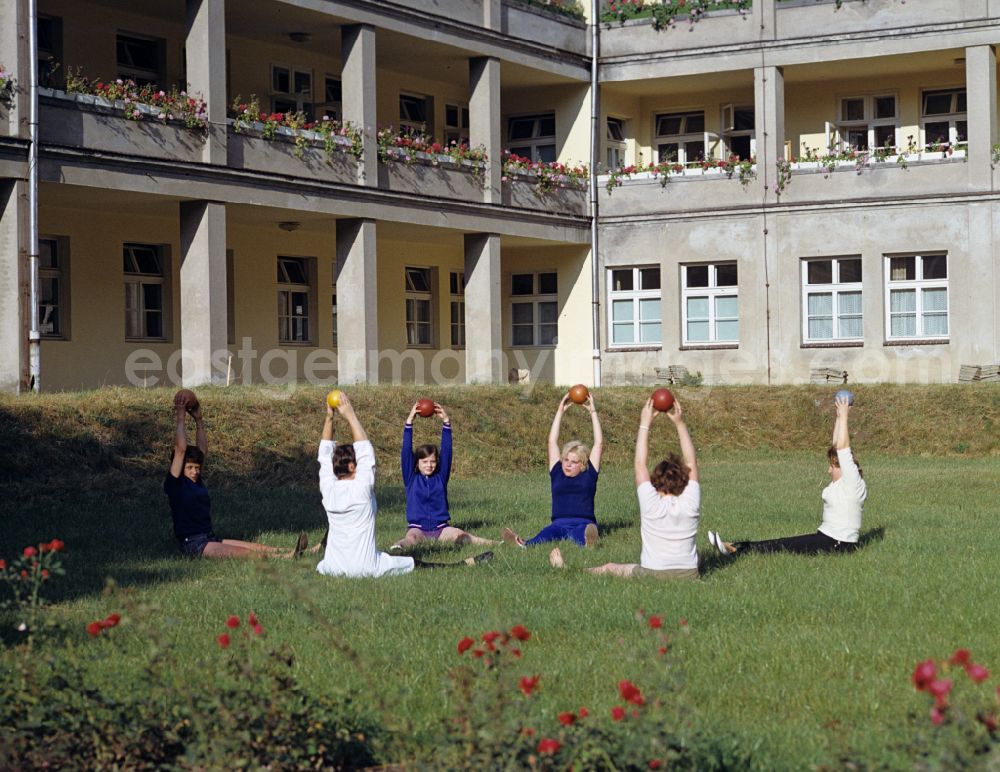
x,y
343,459
425,451
670,476
831,454
193,454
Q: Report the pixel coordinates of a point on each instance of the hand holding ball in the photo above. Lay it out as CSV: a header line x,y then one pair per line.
x,y
663,400
333,399
579,394
187,398
425,407
845,394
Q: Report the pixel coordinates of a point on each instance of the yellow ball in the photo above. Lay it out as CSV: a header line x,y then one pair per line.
x,y
333,399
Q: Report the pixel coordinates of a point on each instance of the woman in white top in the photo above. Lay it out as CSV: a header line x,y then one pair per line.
x,y
669,504
843,503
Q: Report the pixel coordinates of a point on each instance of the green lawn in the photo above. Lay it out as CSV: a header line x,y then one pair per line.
x,y
801,660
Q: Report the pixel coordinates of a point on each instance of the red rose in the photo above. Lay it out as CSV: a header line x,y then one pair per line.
x,y
520,632
617,713
583,713
233,622
465,644
516,653
655,764
94,628
3,564
567,718
30,552
630,693
960,657
223,640
663,650
57,545
655,622
548,745
937,717
112,620
977,673
477,653
257,629
252,620
491,636
528,684
923,674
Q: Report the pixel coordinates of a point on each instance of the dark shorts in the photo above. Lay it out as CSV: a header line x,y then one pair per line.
x,y
195,545
433,534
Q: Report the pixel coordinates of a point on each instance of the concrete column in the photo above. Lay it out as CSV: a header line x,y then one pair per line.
x,y
764,19
203,290
358,93
492,14
205,48
981,96
13,286
483,336
769,114
357,302
14,58
484,119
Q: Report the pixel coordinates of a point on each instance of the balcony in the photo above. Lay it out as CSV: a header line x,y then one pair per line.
x,y
636,38
809,18
553,30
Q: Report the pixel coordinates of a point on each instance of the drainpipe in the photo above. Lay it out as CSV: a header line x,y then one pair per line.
x,y
595,149
34,334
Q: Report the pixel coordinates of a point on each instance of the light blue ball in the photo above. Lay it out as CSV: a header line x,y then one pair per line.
x,y
845,393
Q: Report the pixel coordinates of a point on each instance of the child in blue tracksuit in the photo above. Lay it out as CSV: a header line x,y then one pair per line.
x,y
425,475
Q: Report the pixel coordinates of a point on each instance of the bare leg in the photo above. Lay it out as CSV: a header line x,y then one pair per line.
x,y
511,538
412,538
556,558
234,548
615,569
458,536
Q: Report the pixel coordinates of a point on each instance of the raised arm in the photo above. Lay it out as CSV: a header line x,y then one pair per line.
x,y
199,437
684,437
553,443
346,409
444,461
841,439
642,443
598,448
406,448
180,441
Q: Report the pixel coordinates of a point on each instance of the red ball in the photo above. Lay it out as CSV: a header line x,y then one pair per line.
x,y
425,407
579,394
663,400
187,398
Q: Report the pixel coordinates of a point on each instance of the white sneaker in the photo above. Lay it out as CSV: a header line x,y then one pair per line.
x,y
717,542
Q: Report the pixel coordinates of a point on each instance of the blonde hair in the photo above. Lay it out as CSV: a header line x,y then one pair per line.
x,y
581,450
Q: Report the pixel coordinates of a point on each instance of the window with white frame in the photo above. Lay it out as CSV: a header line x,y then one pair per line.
x,y
711,303
141,59
868,122
534,309
634,308
332,106
52,287
943,117
831,297
916,290
293,300
144,291
615,142
680,137
533,136
419,302
457,287
291,90
415,113
456,124
738,131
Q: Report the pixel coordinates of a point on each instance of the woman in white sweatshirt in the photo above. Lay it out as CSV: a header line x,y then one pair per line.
x,y
843,503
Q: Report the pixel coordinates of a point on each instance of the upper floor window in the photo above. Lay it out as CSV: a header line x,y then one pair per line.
x,y
634,305
141,59
419,301
615,139
916,287
456,124
145,274
457,287
738,131
534,309
50,46
293,299
533,136
291,90
52,287
831,292
943,117
415,113
711,303
332,106
680,137
868,122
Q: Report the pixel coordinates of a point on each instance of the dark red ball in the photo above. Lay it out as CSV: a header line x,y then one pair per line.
x,y
425,407
663,400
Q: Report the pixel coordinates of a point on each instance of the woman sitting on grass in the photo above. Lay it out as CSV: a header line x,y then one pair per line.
x,y
190,505
573,472
425,474
669,505
843,503
347,482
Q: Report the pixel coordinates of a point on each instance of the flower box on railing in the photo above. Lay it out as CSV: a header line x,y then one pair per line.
x,y
429,174
638,36
807,18
522,190
692,189
293,152
96,123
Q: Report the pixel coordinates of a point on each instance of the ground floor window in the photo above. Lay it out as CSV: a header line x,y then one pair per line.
x,y
710,303
831,292
634,305
144,291
293,300
916,289
534,309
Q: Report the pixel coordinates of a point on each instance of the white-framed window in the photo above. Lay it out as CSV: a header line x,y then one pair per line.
x,y
293,299
534,309
419,306
943,117
456,124
332,105
456,281
916,288
680,137
831,299
50,46
738,131
415,113
634,307
141,58
145,272
291,90
710,303
615,142
533,136
52,286
868,122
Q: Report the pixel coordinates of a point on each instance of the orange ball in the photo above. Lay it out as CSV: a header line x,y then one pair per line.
x,y
579,394
333,399
425,407
663,400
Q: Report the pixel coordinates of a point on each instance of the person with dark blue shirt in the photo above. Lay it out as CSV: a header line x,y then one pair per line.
x,y
426,472
190,504
573,470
